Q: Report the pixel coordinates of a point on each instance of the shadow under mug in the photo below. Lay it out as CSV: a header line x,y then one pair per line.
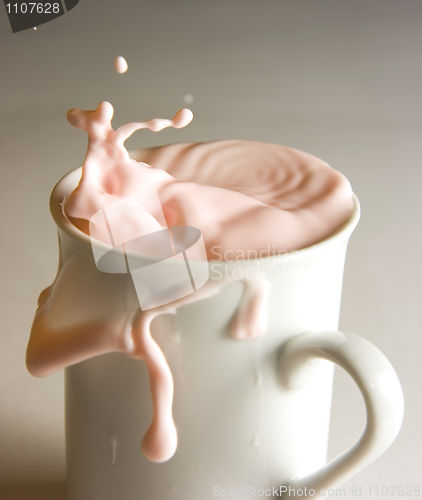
x,y
249,414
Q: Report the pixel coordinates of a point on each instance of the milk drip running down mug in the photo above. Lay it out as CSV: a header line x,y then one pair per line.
x,y
234,391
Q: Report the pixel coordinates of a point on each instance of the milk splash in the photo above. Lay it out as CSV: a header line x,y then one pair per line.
x,y
108,175
239,194
128,216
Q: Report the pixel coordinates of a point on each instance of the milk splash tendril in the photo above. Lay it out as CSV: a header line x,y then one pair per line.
x,y
242,195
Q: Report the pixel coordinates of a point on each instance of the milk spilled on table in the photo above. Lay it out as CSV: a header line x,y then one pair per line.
x,y
246,198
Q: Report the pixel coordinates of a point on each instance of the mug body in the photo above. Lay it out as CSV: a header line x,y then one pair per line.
x,y
239,431
238,428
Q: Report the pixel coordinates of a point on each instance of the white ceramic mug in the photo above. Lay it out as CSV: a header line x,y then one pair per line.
x,y
249,414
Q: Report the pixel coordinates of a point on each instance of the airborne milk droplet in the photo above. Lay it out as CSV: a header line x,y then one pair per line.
x,y
113,441
121,65
258,377
188,98
256,442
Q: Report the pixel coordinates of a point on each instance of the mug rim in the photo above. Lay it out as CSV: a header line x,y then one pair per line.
x,y
69,181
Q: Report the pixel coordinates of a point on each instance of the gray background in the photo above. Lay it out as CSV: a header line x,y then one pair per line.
x,y
339,79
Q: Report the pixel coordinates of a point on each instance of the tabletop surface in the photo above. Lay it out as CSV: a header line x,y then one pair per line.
x,y
340,80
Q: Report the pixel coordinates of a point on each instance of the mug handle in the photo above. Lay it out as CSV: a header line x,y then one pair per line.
x,y
380,388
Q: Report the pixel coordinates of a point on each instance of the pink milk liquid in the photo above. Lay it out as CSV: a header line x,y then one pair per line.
x,y
244,196
249,199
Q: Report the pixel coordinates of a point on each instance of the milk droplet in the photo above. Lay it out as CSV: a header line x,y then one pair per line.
x,y
251,318
188,98
256,442
182,118
174,336
258,377
121,65
113,441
